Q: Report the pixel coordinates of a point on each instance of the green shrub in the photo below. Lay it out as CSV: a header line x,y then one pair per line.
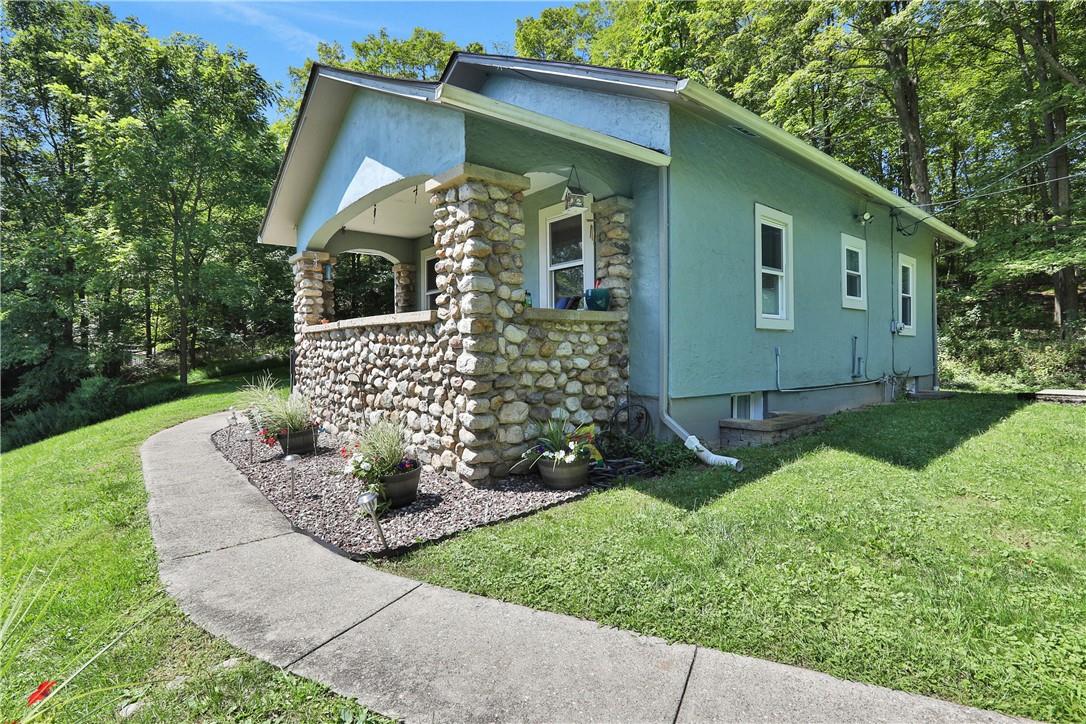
x,y
269,408
94,400
663,457
999,359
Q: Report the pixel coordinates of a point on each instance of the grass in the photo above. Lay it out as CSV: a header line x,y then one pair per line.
x,y
77,501
936,547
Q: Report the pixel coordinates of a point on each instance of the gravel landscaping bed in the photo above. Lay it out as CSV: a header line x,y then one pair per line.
x,y
323,503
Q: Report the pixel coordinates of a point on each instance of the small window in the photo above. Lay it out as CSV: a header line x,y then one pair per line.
x,y
740,407
853,272
906,295
428,280
773,265
567,262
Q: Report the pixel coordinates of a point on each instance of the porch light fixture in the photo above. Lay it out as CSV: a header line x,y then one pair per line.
x,y
367,503
327,269
291,462
574,197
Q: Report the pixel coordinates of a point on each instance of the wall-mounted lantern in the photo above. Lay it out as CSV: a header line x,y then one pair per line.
x,y
574,197
328,268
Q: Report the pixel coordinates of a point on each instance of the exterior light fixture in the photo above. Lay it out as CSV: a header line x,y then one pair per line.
x,y
291,462
367,503
247,434
327,269
574,197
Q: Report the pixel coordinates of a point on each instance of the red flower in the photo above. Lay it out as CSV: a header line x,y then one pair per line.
x,y
40,693
343,452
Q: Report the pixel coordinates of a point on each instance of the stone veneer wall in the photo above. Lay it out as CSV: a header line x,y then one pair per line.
x,y
612,219
403,279
395,366
313,296
570,361
474,385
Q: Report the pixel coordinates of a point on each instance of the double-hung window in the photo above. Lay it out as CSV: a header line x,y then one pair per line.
x,y
567,261
853,272
773,269
906,291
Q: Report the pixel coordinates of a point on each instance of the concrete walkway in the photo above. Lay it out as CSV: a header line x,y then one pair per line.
x,y
423,653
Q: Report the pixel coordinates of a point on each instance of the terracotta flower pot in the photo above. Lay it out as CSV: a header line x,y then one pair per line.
x,y
298,442
402,488
563,476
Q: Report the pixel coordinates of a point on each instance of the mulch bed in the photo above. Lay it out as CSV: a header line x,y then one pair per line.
x,y
324,500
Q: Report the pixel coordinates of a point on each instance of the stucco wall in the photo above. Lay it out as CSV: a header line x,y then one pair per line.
x,y
383,139
641,121
717,176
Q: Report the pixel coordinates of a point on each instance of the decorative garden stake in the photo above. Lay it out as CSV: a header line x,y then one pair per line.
x,y
368,504
291,462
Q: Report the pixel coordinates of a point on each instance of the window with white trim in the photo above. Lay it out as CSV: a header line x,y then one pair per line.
x,y
853,272
567,261
747,406
428,279
773,269
906,291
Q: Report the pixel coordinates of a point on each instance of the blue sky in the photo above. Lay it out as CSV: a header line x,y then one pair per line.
x,y
280,34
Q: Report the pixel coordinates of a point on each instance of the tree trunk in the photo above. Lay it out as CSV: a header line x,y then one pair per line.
x,y
1065,280
192,344
148,337
182,338
907,106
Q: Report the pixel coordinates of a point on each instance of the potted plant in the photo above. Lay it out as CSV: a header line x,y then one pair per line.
x,y
563,458
283,420
380,458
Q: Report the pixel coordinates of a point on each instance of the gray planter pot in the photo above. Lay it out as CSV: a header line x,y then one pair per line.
x,y
563,476
298,442
402,488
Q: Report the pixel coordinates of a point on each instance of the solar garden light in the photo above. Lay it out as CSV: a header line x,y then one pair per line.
x,y
291,462
367,502
247,434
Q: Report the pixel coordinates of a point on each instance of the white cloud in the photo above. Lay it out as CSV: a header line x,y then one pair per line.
x,y
288,33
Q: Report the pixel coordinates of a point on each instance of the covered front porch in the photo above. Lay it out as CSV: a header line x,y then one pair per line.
x,y
475,356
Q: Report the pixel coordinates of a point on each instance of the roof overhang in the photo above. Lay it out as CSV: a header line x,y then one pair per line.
x,y
734,113
329,90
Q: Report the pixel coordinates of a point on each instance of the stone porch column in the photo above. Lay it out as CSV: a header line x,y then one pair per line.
x,y
612,218
313,296
479,237
403,276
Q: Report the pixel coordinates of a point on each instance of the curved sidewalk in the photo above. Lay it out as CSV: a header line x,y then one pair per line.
x,y
423,653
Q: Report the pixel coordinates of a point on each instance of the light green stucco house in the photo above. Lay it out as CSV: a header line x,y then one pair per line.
x,y
750,273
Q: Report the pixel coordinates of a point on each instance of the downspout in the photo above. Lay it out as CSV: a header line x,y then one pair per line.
x,y
690,441
934,316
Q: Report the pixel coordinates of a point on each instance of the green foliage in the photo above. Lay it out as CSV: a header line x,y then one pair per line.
x,y
663,457
559,33
872,550
93,400
268,408
78,501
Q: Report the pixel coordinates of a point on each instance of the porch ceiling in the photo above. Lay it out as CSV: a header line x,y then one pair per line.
x,y
406,214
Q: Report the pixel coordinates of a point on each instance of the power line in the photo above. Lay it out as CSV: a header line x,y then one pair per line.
x,y
955,202
1020,168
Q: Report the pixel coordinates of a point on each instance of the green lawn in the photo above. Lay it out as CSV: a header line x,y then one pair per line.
x,y
78,501
936,547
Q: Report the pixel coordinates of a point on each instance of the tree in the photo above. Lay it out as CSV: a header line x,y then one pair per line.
x,y
559,33
177,150
421,56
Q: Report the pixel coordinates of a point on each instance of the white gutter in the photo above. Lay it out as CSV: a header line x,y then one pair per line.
x,y
691,441
754,123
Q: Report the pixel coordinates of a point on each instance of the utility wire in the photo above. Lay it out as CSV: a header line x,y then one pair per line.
x,y
1012,173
